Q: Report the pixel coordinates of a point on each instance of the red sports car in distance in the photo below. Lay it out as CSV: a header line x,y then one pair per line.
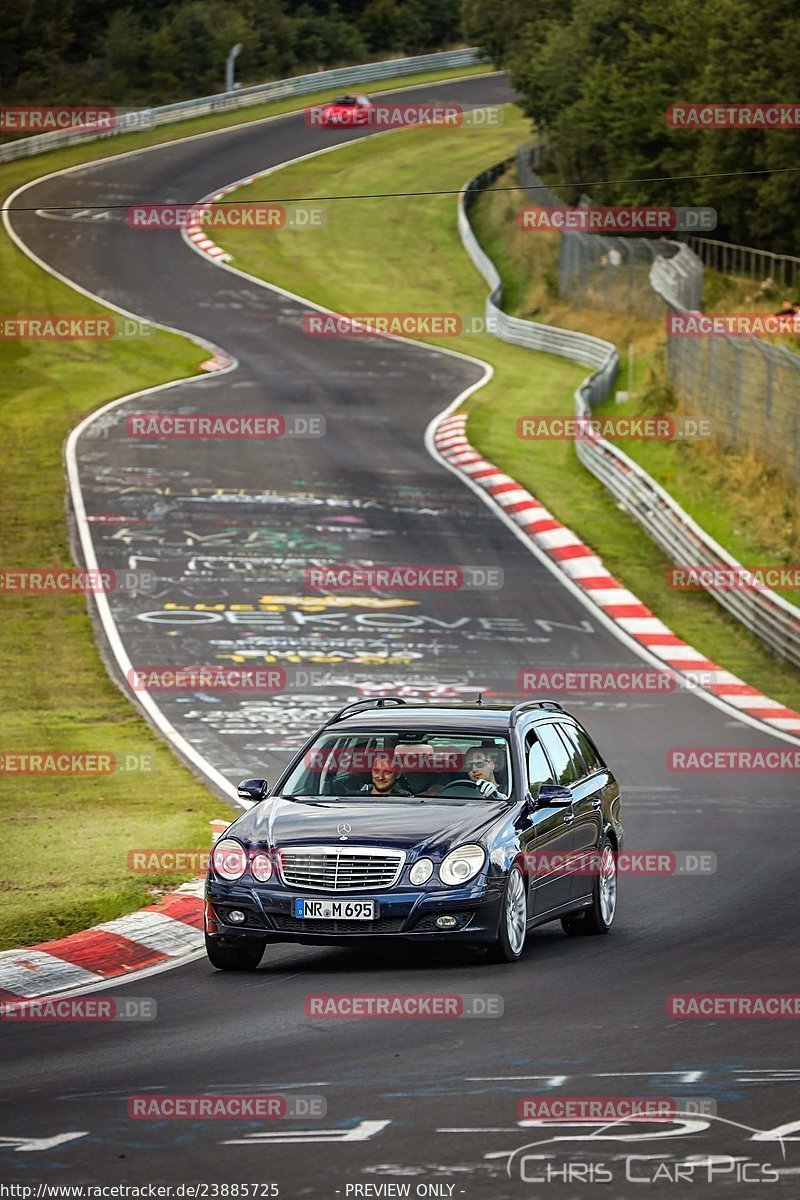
x,y
347,110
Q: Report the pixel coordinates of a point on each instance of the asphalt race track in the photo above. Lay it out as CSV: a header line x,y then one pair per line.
x,y
236,523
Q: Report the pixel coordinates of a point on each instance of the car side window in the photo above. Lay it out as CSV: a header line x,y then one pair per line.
x,y
538,766
590,756
560,757
569,735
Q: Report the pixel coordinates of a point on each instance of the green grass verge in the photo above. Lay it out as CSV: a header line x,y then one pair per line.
x,y
365,261
66,840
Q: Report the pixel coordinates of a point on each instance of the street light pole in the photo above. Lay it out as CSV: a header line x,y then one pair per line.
x,y
234,54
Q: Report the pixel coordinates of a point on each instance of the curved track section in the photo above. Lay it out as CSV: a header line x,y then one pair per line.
x,y
230,528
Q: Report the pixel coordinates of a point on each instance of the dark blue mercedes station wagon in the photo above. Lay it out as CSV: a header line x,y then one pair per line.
x,y
468,824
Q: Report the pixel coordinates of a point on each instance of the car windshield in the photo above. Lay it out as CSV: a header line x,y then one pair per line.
x,y
345,101
464,767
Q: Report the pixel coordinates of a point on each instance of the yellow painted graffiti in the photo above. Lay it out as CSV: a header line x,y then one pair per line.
x,y
305,603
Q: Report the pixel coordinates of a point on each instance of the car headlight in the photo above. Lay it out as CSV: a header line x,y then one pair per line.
x,y
261,866
421,871
229,859
461,864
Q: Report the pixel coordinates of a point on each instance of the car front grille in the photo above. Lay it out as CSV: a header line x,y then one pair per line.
x,y
295,925
335,869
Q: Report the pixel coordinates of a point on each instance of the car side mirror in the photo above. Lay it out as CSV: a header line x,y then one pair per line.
x,y
553,795
253,789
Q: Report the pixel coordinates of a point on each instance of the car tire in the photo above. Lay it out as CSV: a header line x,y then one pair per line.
x,y
513,921
599,917
244,957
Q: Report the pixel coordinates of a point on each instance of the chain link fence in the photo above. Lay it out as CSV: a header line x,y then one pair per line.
x,y
748,388
728,259
771,618
599,271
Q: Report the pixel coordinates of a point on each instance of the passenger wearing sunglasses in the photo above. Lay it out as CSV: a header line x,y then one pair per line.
x,y
480,763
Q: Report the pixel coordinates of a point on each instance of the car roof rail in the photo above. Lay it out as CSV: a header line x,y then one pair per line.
x,y
520,709
358,705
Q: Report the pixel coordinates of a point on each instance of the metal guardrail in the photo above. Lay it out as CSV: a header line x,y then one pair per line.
x,y
578,347
772,619
298,85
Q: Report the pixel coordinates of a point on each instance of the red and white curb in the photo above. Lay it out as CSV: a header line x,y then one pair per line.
x,y
195,230
218,362
162,932
586,570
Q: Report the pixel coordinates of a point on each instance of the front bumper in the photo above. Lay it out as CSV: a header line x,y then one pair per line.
x,y
405,914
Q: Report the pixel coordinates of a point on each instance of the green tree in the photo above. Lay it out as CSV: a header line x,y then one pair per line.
x,y
191,47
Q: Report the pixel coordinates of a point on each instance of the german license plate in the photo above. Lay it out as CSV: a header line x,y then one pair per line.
x,y
335,910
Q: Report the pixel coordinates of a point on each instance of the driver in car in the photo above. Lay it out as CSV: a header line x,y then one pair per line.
x,y
384,777
480,763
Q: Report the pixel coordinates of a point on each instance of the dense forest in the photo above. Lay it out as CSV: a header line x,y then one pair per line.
x,y
113,51
596,77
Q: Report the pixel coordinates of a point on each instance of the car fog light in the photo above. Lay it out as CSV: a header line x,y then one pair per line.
x,y
236,917
446,922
